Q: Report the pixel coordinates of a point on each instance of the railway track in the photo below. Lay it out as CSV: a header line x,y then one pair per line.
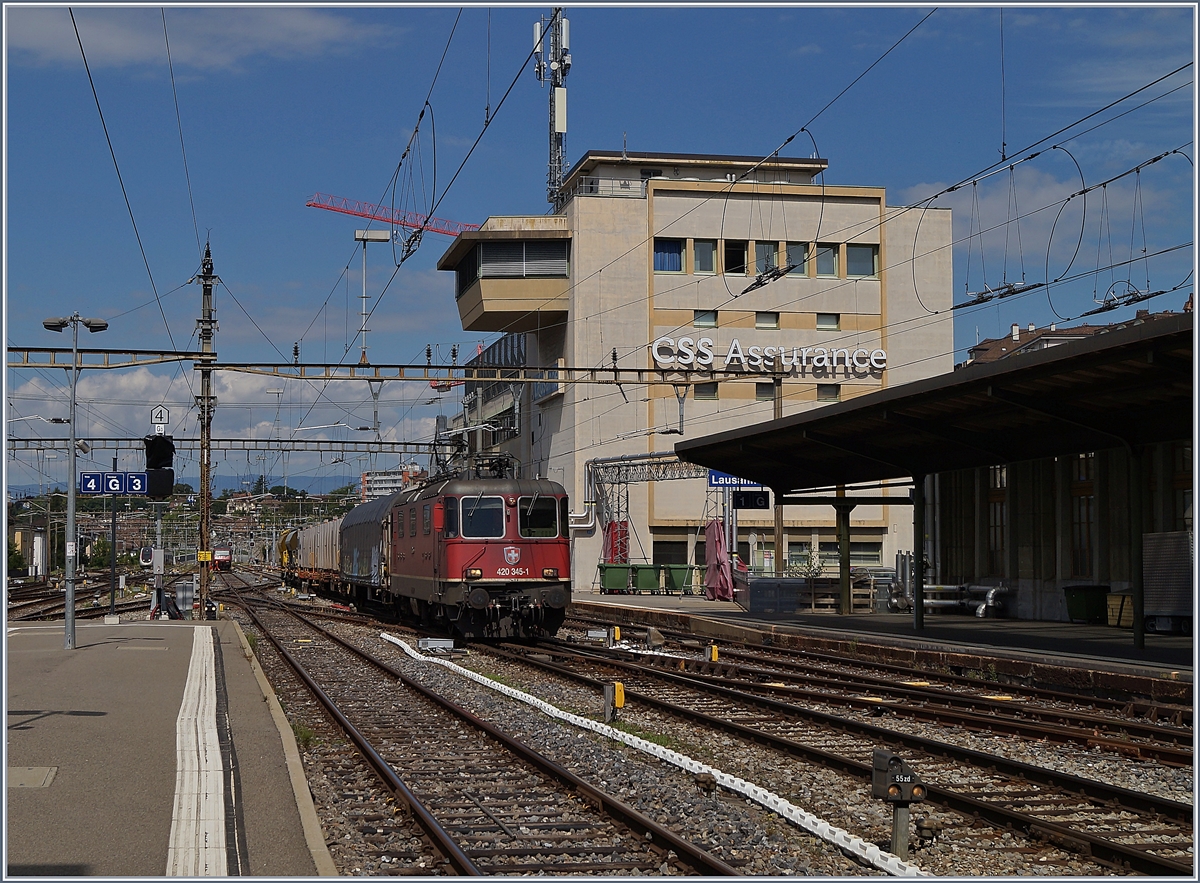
x,y
975,706
491,804
1114,827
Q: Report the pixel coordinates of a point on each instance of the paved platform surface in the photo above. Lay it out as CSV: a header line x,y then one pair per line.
x,y
92,753
1094,646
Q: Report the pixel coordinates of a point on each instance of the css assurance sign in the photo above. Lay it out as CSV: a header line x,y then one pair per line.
x,y
686,353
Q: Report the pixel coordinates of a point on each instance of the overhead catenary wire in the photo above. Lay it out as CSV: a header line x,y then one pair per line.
x,y
117,167
990,169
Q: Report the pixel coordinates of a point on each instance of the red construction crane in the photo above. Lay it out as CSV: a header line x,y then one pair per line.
x,y
388,216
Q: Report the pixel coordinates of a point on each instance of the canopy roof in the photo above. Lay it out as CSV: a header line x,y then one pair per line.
x,y
1132,385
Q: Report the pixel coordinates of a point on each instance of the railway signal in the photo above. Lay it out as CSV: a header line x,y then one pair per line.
x,y
160,462
894,781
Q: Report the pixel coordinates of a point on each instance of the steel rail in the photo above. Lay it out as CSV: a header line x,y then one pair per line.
x,y
1099,848
699,859
438,835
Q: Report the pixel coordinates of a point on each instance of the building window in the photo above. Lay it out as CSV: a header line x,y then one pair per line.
x,y
735,256
668,255
862,260
829,321
829,392
704,318
669,552
705,392
866,554
651,173
827,260
764,392
764,256
704,256
831,557
766,321
1083,514
1182,485
997,514
797,258
543,257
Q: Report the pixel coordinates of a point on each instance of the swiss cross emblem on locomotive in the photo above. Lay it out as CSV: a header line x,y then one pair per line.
x,y
512,554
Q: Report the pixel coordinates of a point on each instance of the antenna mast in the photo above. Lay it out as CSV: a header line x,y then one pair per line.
x,y
553,66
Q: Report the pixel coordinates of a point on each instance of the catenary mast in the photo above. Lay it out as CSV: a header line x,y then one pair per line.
x,y
207,325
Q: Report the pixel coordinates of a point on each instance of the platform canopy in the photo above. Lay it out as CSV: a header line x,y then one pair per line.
x,y
1132,385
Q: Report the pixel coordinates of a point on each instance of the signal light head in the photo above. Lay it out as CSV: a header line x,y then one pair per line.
x,y
893,791
918,792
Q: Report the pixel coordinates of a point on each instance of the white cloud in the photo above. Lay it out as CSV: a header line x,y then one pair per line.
x,y
201,39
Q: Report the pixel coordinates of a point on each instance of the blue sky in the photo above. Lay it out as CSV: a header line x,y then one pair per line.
x,y
277,104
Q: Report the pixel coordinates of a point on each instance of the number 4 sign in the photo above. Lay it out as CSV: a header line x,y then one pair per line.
x,y
91,483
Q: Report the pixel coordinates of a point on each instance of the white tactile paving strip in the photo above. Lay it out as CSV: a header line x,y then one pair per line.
x,y
197,846
868,852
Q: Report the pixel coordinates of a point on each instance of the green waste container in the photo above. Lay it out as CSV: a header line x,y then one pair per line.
x,y
1087,604
614,578
645,578
679,578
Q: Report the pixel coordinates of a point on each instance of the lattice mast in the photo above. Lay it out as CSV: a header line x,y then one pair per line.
x,y
553,63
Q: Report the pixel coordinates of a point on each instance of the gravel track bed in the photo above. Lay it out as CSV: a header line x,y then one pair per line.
x,y
962,848
365,833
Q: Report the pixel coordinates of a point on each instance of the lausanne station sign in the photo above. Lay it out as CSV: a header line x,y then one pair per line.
x,y
688,354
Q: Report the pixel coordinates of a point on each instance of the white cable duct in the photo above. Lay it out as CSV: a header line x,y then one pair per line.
x,y
856,846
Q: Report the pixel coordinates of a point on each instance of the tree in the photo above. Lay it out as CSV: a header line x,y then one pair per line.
x,y
16,561
183,489
100,556
260,485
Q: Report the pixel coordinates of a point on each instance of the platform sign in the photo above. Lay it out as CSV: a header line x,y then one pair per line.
x,y
751,500
135,483
724,479
114,482
91,482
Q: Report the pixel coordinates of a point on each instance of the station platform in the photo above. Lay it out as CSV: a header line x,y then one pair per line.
x,y
1083,655
151,749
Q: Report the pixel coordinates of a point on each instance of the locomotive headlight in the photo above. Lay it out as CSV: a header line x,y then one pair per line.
x,y
474,573
549,573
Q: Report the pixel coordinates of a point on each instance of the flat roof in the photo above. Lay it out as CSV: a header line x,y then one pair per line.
x,y
1131,385
593,158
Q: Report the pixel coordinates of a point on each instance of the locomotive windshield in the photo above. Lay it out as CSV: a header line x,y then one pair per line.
x,y
482,517
538,517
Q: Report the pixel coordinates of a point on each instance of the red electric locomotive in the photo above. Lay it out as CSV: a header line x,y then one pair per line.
x,y
222,558
486,557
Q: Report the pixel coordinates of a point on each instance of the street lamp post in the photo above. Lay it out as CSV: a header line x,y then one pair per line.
x,y
92,325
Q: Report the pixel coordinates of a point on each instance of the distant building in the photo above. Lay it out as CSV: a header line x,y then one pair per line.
x,y
385,482
1032,338
729,264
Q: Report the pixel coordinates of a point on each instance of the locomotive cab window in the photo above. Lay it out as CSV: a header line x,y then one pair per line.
x,y
450,518
482,517
538,517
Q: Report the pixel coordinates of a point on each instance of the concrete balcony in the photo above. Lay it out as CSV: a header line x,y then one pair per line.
x,y
513,304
